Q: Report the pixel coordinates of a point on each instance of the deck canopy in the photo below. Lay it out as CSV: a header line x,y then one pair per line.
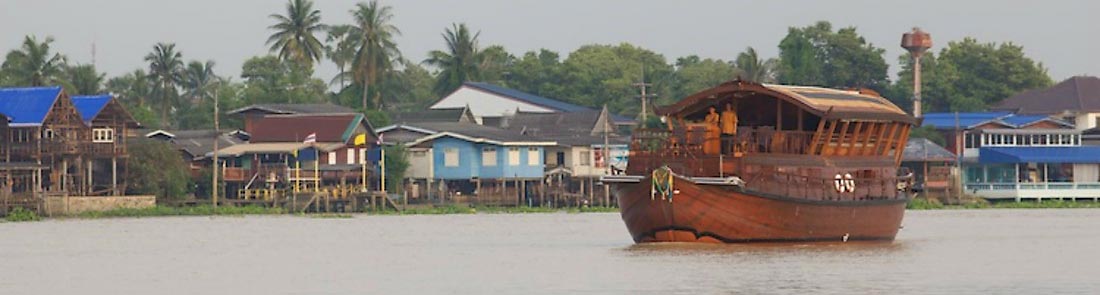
x,y
823,102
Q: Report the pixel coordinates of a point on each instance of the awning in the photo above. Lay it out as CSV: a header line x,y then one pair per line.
x,y
1069,154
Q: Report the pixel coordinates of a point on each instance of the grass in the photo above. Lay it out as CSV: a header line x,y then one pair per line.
x,y
326,215
20,215
926,204
202,210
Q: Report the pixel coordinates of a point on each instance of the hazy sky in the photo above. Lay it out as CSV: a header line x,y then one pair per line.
x,y
1060,34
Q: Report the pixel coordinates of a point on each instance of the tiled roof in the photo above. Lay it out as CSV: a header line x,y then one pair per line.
x,y
453,115
197,143
28,105
90,105
564,128
1081,93
300,108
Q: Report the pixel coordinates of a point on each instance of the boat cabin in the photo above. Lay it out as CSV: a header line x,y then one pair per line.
x,y
796,141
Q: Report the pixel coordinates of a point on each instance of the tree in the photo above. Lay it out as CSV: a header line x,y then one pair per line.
x,y
341,51
294,37
694,74
32,64
749,66
199,80
269,79
376,49
155,168
599,74
969,76
496,64
82,79
540,72
165,66
816,55
131,88
460,63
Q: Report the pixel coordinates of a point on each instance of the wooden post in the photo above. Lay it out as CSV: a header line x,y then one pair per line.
x,y
856,131
114,176
818,135
778,115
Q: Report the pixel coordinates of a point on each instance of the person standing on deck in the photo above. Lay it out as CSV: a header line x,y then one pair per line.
x,y
729,126
712,145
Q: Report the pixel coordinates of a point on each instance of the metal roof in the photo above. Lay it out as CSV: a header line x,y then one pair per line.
x,y
924,150
296,108
295,128
90,105
1080,94
972,120
28,105
527,97
1075,154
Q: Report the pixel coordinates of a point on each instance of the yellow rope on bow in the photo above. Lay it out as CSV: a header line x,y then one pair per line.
x,y
662,183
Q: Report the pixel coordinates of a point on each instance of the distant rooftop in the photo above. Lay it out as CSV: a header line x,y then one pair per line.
x,y
1076,94
295,108
964,121
28,105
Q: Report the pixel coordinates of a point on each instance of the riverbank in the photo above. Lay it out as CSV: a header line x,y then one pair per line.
x,y
207,210
926,204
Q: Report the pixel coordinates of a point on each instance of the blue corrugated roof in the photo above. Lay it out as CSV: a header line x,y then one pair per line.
x,y
966,120
28,105
90,105
1073,154
1024,120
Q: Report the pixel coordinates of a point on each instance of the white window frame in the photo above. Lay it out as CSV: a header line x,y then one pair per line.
x,y
351,156
450,157
362,155
533,156
489,156
103,135
513,156
332,158
584,158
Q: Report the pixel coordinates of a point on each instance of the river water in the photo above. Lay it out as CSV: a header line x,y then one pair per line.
x,y
948,252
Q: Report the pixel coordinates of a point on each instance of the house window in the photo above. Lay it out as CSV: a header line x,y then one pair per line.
x,y
533,156
972,140
103,135
584,159
47,134
450,157
362,155
488,156
351,156
513,156
332,158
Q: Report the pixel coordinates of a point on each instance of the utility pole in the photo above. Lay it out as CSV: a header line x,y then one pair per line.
x,y
607,151
645,96
217,134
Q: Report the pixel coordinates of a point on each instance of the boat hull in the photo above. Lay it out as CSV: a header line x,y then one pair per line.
x,y
728,214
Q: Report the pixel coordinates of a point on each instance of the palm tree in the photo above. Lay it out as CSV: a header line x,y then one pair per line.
x,y
376,49
199,80
294,33
165,67
750,67
83,79
341,51
131,88
460,63
32,63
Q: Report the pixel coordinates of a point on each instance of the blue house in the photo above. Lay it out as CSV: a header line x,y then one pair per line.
x,y
1009,156
479,164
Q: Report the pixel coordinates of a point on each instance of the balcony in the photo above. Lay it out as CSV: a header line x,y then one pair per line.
x,y
1035,190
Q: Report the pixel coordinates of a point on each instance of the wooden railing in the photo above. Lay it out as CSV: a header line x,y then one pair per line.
x,y
824,189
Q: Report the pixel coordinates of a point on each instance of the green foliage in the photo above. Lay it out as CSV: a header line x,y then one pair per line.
x,y
165,68
377,119
201,210
397,163
19,215
694,74
375,54
155,168
929,133
82,80
294,37
924,204
816,55
271,80
32,64
971,76
605,74
461,62
751,67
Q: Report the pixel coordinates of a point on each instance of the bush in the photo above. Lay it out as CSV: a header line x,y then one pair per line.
x,y
20,214
924,204
155,168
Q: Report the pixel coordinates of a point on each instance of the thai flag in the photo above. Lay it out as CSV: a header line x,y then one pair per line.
x,y
379,142
311,138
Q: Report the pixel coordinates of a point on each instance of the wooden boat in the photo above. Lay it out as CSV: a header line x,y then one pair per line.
x,y
803,164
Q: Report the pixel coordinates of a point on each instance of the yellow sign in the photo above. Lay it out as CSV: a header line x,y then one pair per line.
x,y
361,140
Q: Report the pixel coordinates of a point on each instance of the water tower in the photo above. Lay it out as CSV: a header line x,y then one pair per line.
x,y
917,42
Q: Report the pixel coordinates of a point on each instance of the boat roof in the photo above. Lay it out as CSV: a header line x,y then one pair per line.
x,y
825,102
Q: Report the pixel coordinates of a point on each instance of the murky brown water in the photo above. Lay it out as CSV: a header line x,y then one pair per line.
x,y
951,252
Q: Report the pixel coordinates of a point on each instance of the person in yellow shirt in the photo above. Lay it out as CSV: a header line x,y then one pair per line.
x,y
712,145
729,127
